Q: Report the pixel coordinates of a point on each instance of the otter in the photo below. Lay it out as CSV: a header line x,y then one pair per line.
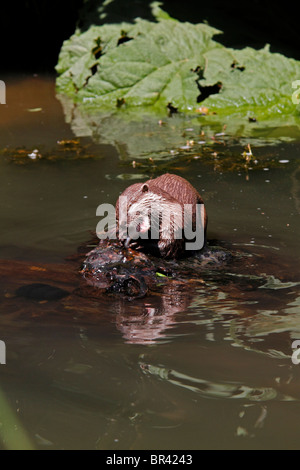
x,y
155,213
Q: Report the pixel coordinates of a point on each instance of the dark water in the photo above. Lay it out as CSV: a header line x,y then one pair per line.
x,y
204,369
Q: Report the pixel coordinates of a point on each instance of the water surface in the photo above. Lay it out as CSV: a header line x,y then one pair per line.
x,y
201,369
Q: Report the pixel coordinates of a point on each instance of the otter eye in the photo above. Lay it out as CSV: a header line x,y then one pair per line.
x,y
145,188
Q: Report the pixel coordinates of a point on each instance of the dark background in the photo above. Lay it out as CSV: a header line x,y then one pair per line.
x,y
33,31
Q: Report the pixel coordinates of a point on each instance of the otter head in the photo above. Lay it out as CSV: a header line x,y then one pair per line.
x,y
153,217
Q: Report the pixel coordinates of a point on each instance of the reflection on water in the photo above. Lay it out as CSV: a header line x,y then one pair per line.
x,y
153,318
199,364
208,389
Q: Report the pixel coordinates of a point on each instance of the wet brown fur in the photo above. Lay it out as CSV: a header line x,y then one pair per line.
x,y
173,189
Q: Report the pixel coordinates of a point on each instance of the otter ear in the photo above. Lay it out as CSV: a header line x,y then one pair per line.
x,y
145,188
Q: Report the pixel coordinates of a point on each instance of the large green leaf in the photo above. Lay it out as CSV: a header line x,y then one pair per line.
x,y
147,66
157,66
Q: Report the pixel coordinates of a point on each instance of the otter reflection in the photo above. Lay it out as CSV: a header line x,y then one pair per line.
x,y
151,320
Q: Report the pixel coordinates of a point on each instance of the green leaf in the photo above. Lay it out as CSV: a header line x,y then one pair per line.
x,y
169,63
160,274
157,66
158,13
